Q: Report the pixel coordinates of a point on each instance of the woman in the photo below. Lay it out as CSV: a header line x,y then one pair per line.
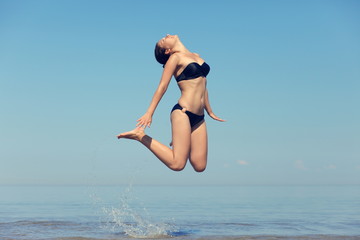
x,y
189,135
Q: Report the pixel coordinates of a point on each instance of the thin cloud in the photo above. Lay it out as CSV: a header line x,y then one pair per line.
x,y
331,167
242,162
299,164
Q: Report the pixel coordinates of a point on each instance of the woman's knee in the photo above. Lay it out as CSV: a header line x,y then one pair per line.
x,y
178,165
199,165
177,168
199,168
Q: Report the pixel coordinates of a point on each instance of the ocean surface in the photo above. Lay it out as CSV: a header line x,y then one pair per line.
x,y
179,212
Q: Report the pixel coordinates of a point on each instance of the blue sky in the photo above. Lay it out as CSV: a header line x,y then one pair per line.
x,y
284,74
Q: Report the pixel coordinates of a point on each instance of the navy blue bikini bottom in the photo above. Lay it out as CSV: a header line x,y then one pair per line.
x,y
194,118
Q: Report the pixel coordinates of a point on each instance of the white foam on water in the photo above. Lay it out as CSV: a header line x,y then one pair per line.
x,y
134,222
136,225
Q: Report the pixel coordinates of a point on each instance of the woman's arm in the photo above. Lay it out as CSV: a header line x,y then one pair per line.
x,y
208,108
169,69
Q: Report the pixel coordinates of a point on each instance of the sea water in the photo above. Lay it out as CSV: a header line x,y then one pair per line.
x,y
179,212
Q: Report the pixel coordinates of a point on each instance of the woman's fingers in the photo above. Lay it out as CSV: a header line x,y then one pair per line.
x,y
217,118
144,121
143,124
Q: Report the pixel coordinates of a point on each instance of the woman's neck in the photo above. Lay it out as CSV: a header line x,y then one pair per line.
x,y
180,48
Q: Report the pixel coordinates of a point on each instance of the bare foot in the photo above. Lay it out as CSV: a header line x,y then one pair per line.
x,y
135,134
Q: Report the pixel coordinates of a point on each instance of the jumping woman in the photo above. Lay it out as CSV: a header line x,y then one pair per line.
x,y
189,135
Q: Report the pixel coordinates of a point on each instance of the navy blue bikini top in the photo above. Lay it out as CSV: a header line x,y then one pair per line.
x,y
194,70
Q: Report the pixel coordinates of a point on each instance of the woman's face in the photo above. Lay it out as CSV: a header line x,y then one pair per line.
x,y
168,42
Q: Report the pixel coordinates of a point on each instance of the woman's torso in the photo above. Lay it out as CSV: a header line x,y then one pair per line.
x,y
192,84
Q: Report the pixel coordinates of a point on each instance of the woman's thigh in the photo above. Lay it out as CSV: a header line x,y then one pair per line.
x,y
199,148
181,135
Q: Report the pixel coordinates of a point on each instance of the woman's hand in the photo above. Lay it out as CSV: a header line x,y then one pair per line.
x,y
213,116
144,121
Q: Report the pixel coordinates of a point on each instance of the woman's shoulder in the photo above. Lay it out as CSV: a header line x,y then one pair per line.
x,y
184,57
175,56
173,60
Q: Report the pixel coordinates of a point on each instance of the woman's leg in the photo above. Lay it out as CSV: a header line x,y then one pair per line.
x,y
199,147
175,158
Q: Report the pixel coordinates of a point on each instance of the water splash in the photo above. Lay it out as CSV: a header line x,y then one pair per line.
x,y
135,222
